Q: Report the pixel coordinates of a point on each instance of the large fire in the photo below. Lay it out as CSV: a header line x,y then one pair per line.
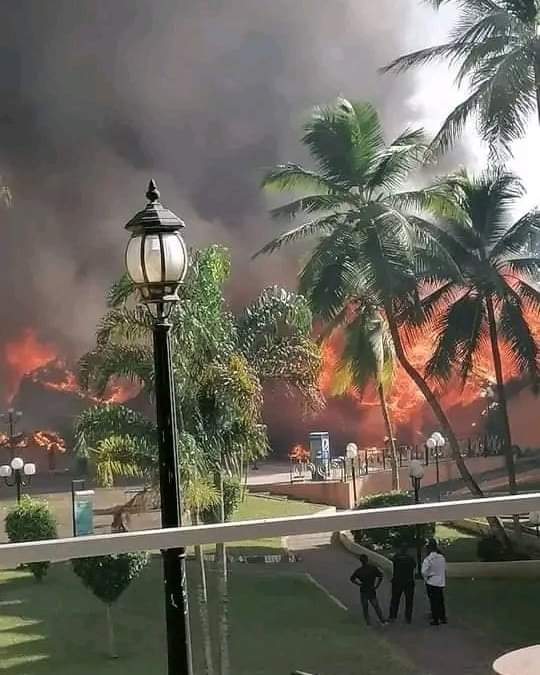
x,y
49,440
23,356
410,413
29,356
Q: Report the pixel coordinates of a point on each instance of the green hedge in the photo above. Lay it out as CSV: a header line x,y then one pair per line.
x,y
31,520
385,538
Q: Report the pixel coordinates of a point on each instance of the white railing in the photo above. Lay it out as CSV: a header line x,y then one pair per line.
x,y
12,555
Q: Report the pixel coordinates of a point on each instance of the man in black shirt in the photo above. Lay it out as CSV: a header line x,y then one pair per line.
x,y
368,577
402,583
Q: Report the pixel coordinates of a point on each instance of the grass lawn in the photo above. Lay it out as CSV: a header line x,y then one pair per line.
x,y
456,545
279,622
259,506
505,610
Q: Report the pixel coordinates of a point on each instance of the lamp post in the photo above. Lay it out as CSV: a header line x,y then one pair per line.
x,y
416,473
17,474
435,444
157,261
352,454
11,417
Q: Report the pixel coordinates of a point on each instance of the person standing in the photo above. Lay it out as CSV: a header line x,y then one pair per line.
x,y
368,577
434,573
402,583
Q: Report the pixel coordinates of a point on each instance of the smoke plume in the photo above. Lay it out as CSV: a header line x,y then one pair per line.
x,y
98,96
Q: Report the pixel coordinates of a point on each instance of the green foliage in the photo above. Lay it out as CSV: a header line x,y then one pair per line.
x,y
108,576
221,408
232,495
385,538
491,549
491,269
31,520
494,43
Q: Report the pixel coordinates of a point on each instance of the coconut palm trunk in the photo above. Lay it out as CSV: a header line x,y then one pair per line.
x,y
111,639
202,605
537,82
502,409
223,593
446,427
391,440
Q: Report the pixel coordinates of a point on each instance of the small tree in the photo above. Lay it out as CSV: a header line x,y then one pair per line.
x,y
31,520
107,577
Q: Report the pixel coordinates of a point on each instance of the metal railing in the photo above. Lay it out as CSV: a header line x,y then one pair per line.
x,y
12,555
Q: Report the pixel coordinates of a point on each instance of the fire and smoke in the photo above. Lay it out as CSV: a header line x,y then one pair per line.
x,y
98,96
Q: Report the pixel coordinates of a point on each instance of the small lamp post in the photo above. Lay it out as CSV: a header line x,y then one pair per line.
x,y
17,474
157,262
416,473
11,417
351,452
435,444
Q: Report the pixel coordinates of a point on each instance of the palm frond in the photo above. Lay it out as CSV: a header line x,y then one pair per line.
x,y
285,177
459,332
514,328
514,238
120,291
317,226
311,204
394,162
345,141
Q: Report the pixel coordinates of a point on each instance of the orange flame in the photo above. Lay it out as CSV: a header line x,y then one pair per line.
x,y
25,355
28,356
410,413
51,441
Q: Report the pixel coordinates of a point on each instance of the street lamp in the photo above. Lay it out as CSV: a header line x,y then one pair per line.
x,y
11,416
351,452
17,474
416,473
157,261
435,444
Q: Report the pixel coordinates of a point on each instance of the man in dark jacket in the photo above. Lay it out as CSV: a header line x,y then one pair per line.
x,y
368,577
402,583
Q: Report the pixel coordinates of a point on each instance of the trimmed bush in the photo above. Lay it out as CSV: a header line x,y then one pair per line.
x,y
232,494
108,576
385,538
31,520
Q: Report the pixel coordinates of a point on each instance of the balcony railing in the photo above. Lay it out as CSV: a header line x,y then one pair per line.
x,y
12,555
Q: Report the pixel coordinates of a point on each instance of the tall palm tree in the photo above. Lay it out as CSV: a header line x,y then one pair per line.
x,y
368,356
373,234
487,303
496,44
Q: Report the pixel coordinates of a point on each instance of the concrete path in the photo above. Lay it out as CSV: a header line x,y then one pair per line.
x,y
443,650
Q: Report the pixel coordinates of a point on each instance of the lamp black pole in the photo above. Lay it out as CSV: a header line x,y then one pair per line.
x,y
437,473
156,261
174,559
416,486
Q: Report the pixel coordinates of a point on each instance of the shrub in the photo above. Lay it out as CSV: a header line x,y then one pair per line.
x,y
490,549
232,494
108,576
31,520
381,538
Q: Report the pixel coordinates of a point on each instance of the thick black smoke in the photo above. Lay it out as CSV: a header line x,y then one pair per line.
x,y
96,96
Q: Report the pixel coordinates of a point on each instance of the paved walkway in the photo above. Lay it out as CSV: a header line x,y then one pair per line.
x,y
443,650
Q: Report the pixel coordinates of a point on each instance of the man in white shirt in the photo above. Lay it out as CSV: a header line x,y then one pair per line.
x,y
434,573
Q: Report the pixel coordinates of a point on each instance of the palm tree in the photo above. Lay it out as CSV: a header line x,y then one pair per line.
x,y
496,44
488,302
373,236
367,356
